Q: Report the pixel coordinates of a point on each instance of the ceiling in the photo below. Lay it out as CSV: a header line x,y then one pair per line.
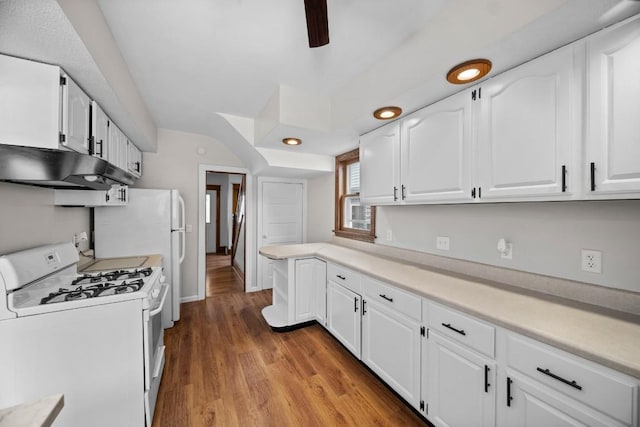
x,y
199,62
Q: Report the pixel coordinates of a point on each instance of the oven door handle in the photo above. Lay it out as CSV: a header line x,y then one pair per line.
x,y
165,291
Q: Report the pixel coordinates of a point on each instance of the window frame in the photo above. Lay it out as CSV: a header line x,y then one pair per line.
x,y
342,162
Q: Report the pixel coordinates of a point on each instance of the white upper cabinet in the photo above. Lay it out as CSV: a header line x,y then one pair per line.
x,y
380,166
75,116
99,132
527,129
436,151
117,150
134,159
41,107
613,105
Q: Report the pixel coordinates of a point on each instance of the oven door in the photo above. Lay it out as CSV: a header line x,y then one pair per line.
x,y
153,351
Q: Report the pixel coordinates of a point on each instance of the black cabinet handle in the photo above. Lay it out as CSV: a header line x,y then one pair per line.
x,y
460,331
564,178
106,197
101,154
364,307
486,378
593,176
473,192
509,398
395,193
355,304
340,277
559,378
403,192
386,297
137,166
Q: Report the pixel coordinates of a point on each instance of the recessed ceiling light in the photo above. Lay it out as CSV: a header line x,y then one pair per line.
x,y
469,71
387,113
292,141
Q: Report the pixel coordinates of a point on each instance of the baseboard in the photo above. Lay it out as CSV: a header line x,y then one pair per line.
x,y
190,298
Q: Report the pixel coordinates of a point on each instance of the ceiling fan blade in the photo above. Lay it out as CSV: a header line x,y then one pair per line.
x,y
317,22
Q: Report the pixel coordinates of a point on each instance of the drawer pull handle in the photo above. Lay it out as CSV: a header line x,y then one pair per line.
x,y
486,378
386,297
340,277
509,397
355,304
460,331
559,378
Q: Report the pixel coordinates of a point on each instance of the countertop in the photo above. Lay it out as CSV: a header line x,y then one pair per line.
x,y
88,264
40,413
600,336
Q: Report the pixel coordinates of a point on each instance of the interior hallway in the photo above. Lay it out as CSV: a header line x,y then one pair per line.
x,y
221,276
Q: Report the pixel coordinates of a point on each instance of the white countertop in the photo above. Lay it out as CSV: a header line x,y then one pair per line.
x,y
40,413
598,336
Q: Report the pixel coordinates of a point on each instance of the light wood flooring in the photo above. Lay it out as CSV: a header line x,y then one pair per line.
x,y
226,367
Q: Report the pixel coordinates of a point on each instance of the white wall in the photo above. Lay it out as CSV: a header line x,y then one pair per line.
x,y
175,165
547,237
320,207
29,218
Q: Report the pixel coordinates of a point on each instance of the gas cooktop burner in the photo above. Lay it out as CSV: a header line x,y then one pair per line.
x,y
99,289
110,276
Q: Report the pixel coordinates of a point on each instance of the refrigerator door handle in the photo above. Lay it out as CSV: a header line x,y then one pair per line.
x,y
182,212
183,246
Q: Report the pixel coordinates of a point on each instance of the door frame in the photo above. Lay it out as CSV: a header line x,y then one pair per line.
x,y
250,284
216,188
258,238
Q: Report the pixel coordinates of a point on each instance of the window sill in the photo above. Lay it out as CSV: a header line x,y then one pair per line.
x,y
355,235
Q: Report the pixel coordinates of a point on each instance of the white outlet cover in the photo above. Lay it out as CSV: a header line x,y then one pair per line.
x,y
508,251
442,243
591,261
389,235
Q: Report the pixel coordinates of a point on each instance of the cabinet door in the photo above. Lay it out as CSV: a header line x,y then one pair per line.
x,y
391,348
436,151
320,290
75,117
343,316
461,383
99,131
613,128
304,290
380,166
532,404
134,160
526,130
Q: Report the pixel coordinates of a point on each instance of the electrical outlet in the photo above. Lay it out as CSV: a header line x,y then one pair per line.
x,y
389,235
442,243
592,261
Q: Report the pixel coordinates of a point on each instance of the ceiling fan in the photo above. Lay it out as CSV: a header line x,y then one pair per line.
x,y
317,23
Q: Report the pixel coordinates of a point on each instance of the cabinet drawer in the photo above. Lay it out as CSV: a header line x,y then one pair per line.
x,y
601,388
465,329
392,297
345,277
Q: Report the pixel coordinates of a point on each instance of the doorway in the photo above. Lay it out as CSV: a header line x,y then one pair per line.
x,y
224,233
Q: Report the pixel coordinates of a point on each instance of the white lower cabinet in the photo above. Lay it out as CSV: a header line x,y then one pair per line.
x,y
343,316
391,348
310,290
461,385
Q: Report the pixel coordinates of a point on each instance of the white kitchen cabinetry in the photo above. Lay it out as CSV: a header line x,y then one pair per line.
x,y
42,107
458,369
343,316
613,108
435,151
546,386
117,151
117,195
134,159
99,132
380,166
298,293
461,385
527,130
391,337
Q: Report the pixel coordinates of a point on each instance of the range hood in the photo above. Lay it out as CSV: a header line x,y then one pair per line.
x,y
58,169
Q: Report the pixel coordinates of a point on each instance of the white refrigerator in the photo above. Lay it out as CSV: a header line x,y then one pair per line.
x,y
152,222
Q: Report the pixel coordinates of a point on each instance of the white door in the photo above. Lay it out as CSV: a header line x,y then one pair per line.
x,y
281,219
384,332
526,130
75,120
210,222
462,387
436,151
343,316
380,166
613,125
99,131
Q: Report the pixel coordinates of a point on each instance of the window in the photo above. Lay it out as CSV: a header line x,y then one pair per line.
x,y
353,219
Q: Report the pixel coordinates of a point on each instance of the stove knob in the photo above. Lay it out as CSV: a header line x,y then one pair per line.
x,y
163,278
155,293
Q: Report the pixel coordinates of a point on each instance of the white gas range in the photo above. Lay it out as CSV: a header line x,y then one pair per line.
x,y
97,337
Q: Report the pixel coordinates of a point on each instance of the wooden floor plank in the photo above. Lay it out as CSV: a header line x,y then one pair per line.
x,y
226,367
